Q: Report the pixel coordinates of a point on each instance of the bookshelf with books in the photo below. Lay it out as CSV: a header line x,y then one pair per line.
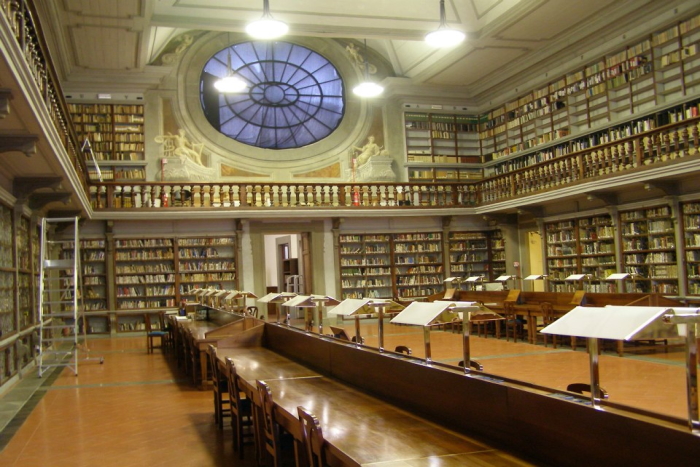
x,y
94,275
116,135
205,262
92,252
649,250
469,255
144,273
561,253
691,238
365,266
596,236
498,254
622,88
441,146
418,264
7,273
25,293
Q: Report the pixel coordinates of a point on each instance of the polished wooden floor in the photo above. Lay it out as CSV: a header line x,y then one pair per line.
x,y
137,409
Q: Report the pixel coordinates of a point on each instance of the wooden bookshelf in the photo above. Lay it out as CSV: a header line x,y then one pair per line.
x,y
469,254
116,135
561,246
7,273
440,147
632,88
649,249
596,236
144,272
691,236
205,262
92,261
418,264
365,266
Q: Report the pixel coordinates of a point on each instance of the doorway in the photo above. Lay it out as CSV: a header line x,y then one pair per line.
x,y
534,245
287,263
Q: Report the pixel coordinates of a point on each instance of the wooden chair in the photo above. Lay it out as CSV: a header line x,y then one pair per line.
x,y
152,334
403,349
267,426
270,432
547,318
222,404
241,411
252,311
514,324
313,438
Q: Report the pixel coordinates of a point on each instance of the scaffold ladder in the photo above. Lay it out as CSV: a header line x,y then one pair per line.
x,y
59,304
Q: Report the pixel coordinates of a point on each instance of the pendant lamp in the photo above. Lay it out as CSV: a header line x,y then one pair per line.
x,y
367,88
444,36
230,83
266,27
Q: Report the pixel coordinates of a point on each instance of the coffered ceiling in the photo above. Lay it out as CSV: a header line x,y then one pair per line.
x,y
112,45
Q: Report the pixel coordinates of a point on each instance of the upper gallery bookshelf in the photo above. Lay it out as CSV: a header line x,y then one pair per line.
x,y
440,147
115,133
631,90
365,266
691,233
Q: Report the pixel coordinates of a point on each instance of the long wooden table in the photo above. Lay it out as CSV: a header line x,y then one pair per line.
x,y
203,333
359,429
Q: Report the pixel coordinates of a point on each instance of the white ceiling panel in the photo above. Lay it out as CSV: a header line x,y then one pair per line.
x,y
476,65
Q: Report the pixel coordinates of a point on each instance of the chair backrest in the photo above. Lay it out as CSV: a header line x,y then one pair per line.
x,y
147,322
161,320
267,405
211,352
313,437
234,391
403,349
253,311
509,308
547,312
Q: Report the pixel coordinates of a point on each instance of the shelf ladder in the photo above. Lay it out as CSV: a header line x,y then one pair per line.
x,y
60,305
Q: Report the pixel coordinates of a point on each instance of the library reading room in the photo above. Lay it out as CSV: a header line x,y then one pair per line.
x,y
388,233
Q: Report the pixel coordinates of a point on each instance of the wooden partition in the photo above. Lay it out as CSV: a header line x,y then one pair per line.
x,y
529,420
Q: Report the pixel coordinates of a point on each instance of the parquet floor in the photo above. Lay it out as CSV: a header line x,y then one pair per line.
x,y
136,409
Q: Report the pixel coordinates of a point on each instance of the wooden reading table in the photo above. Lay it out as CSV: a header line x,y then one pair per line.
x,y
359,429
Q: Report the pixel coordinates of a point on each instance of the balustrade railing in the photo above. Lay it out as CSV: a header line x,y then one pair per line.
x,y
21,17
144,195
649,149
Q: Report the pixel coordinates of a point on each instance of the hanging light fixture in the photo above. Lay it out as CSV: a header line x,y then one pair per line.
x,y
230,83
444,36
266,27
367,88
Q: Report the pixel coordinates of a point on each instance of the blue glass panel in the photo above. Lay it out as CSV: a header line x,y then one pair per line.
x,y
295,96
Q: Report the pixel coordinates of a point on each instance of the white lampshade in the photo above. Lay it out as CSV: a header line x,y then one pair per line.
x,y
368,89
266,28
445,37
230,84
